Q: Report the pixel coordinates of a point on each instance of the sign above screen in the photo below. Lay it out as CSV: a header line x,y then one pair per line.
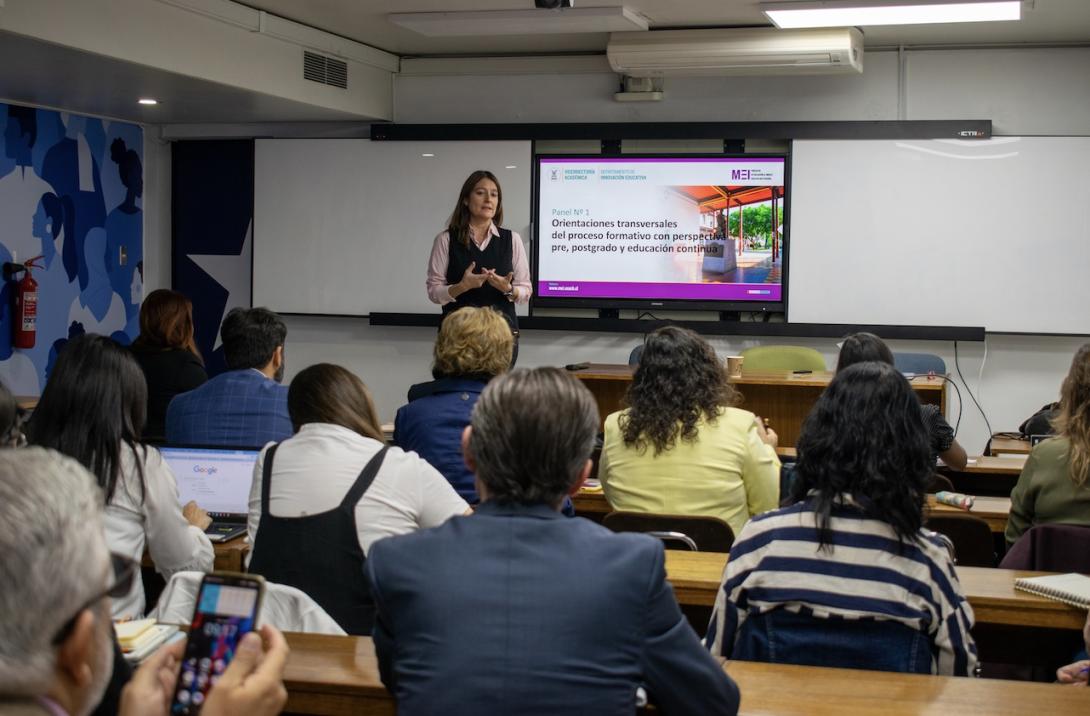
x,y
703,232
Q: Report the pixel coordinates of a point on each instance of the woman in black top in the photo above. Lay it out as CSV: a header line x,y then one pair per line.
x,y
167,354
475,262
860,347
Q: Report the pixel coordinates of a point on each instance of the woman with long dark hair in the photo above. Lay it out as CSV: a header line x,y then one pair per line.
x,y
476,262
847,576
1054,485
860,347
322,497
682,447
92,409
167,353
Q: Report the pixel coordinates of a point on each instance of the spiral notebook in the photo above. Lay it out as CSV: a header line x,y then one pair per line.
x,y
1073,589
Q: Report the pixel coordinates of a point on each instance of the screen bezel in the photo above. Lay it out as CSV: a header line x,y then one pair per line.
x,y
650,303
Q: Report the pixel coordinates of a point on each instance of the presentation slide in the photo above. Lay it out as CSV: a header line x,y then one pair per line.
x,y
694,228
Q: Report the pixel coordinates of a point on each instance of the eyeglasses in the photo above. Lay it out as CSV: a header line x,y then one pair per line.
x,y
122,573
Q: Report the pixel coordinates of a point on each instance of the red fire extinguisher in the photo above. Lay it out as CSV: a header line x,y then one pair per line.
x,y
26,307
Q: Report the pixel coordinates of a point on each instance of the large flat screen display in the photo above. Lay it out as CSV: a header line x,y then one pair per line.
x,y
704,232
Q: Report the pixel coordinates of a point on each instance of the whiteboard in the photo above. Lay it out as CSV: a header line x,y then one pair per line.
x,y
345,226
992,233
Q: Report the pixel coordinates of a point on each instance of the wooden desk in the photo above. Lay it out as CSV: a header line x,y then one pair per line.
x,y
1009,446
783,690
993,510
231,555
783,398
27,402
696,577
988,475
339,675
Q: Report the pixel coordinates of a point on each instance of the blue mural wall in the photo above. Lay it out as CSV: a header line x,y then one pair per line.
x,y
71,192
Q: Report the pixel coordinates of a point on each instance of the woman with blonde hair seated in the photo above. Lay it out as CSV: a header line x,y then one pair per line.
x,y
681,447
474,346
1053,486
322,497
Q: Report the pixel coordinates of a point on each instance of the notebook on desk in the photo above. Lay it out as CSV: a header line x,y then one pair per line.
x,y
1073,589
218,480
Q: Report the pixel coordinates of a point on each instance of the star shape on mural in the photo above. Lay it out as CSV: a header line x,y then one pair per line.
x,y
231,272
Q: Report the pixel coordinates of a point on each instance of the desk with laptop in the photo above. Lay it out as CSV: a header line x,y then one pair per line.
x,y
218,479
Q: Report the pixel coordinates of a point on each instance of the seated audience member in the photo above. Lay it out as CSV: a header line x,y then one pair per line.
x,y
860,347
321,498
247,405
56,636
518,610
474,346
847,576
1053,486
167,354
681,447
1078,672
92,409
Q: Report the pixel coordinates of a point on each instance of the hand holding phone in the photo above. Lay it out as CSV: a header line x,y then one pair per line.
x,y
225,613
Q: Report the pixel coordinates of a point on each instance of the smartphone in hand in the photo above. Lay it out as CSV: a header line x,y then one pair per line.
x,y
227,607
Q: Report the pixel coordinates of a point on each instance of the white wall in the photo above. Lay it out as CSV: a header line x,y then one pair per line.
x,y
1024,92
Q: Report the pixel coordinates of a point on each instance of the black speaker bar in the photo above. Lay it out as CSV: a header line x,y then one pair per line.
x,y
709,328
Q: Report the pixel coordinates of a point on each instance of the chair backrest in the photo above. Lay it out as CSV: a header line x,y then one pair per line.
x,y
919,363
762,359
974,545
783,637
939,483
634,356
284,607
1051,548
706,534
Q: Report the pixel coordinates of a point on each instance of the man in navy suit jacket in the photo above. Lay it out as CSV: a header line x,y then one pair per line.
x,y
516,609
247,405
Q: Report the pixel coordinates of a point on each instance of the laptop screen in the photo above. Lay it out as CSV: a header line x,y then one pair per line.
x,y
217,479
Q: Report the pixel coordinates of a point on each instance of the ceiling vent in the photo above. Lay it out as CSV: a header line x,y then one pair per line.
x,y
326,70
759,51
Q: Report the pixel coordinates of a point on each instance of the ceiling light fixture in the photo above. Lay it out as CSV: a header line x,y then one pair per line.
x,y
147,101
511,166
427,154
521,22
861,13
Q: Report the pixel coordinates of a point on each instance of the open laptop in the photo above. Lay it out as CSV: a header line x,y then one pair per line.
x,y
218,479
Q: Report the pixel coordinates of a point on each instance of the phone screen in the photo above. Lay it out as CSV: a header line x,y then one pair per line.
x,y
226,610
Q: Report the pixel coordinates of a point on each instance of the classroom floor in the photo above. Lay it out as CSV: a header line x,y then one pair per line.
x,y
753,267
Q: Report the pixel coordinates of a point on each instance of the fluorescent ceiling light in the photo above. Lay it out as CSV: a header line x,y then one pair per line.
x,y
427,154
147,101
860,13
520,22
511,166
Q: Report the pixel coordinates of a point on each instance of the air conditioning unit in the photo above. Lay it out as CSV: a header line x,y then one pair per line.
x,y
758,51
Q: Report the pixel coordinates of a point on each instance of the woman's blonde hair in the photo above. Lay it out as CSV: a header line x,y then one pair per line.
x,y
1073,421
473,342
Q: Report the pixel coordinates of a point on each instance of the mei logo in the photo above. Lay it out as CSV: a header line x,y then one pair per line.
x,y
739,174
205,469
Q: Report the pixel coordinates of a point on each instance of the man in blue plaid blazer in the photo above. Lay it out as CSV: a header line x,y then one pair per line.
x,y
245,406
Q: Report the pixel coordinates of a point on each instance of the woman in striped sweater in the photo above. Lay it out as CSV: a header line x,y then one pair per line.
x,y
847,576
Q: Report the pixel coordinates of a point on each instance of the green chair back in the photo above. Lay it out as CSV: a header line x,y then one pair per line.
x,y
765,359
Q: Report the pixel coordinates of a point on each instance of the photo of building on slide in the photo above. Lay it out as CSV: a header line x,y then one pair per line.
x,y
743,242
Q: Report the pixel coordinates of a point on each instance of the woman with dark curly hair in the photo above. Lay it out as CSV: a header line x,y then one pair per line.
x,y
847,576
682,447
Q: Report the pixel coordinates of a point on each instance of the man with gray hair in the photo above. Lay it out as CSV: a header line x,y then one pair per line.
x,y
517,609
56,638
56,578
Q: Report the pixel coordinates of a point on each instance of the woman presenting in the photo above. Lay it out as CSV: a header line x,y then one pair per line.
x,y
475,262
